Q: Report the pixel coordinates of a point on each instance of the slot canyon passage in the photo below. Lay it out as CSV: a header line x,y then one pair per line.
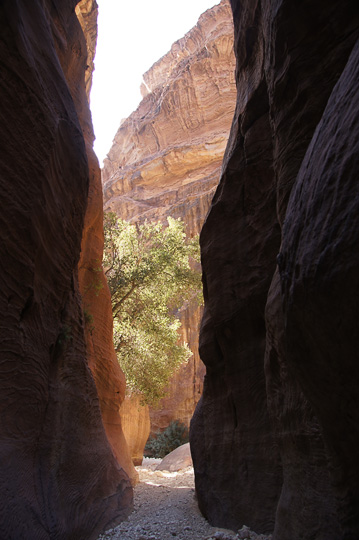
x,y
275,433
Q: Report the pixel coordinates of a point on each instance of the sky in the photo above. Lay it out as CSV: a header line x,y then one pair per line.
x,y
132,36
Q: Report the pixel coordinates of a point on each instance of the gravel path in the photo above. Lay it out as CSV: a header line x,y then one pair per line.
x,y
165,509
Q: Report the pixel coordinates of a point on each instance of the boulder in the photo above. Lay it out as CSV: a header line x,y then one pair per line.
x,y
178,459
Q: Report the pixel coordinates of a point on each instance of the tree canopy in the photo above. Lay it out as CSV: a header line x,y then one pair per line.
x,y
152,270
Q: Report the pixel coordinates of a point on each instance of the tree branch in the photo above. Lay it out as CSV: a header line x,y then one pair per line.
x,y
118,304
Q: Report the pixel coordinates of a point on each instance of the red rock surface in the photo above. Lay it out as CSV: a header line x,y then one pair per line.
x,y
186,385
135,421
87,12
96,298
166,160
59,478
275,434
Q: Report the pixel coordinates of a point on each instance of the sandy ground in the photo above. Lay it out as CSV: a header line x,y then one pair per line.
x,y
165,508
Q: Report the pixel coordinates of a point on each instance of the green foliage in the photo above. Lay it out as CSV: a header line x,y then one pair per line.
x,y
163,443
151,271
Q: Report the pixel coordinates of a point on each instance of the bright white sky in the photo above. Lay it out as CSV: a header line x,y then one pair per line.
x,y
132,36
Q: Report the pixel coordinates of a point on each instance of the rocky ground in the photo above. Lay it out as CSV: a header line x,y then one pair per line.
x,y
165,508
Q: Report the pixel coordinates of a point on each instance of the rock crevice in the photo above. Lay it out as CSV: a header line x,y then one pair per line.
x,y
166,160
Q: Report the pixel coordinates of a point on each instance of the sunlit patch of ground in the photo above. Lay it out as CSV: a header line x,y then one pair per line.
x,y
165,508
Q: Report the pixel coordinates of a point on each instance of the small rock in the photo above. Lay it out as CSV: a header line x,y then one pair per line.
x,y
244,533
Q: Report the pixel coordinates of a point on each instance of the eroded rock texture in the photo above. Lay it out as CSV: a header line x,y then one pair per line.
x,y
274,437
59,478
87,12
166,157
135,420
96,298
166,160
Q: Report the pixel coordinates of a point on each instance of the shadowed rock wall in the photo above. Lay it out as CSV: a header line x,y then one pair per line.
x,y
59,478
274,436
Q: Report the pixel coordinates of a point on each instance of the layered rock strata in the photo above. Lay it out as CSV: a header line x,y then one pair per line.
x,y
59,478
166,160
166,157
274,436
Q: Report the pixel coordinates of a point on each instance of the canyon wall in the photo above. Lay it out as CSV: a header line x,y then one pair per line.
x,y
135,421
96,298
166,156
59,477
185,387
275,433
166,160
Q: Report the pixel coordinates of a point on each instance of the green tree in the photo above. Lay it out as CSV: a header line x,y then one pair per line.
x,y
152,271
162,443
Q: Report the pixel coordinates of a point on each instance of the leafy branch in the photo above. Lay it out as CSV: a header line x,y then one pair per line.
x,y
152,271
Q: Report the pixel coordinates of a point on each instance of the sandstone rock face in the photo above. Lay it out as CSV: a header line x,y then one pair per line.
x,y
166,160
87,12
59,478
186,385
166,157
318,270
273,438
135,421
96,298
